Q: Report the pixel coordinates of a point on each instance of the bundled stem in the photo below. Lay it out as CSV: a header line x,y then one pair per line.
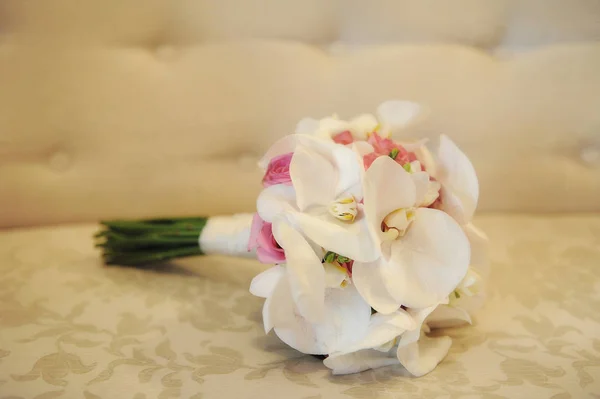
x,y
139,242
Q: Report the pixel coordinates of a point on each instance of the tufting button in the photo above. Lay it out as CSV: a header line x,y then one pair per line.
x,y
590,154
59,161
165,52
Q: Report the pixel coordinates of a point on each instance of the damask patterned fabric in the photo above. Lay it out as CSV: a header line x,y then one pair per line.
x,y
73,328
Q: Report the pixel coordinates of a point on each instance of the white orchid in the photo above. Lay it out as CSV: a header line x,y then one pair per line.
x,y
346,314
424,252
321,209
396,338
391,118
456,174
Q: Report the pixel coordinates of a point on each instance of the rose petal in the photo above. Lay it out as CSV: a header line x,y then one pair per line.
x,y
304,269
430,260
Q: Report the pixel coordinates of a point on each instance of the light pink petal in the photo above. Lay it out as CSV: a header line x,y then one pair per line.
x,y
304,269
313,177
357,362
429,261
346,317
387,187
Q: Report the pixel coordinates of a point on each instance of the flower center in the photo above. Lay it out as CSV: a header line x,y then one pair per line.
x,y
344,209
396,223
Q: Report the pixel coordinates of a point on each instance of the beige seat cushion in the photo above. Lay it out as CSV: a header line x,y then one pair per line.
x,y
70,325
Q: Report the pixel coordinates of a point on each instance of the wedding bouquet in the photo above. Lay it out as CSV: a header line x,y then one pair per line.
x,y
370,239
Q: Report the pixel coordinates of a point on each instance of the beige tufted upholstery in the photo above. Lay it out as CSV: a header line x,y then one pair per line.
x,y
135,108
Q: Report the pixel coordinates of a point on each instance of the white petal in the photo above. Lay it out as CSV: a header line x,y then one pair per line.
x,y
458,175
263,284
429,261
397,115
307,126
421,357
382,329
422,186
282,146
329,127
334,276
368,278
350,170
275,200
419,316
480,261
414,146
347,239
304,269
313,177
427,160
445,316
387,187
346,316
360,361
362,126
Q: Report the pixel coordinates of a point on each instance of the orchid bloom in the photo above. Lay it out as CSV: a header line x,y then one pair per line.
x,y
424,253
391,118
456,174
396,338
320,211
346,314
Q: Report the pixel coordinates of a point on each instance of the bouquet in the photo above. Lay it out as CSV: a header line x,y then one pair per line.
x,y
370,239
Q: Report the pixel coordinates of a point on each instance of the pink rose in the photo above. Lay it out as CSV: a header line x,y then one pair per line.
x,y
278,171
344,137
387,147
261,238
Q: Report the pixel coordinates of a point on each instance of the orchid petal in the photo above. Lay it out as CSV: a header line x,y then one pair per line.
x,y
430,260
282,146
458,176
350,169
421,357
422,186
387,187
448,316
368,279
347,239
397,115
480,261
305,271
427,160
275,200
307,126
362,126
263,284
334,276
312,176
360,361
346,316
382,329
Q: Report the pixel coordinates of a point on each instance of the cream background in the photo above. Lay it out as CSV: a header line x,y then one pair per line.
x,y
104,103
136,108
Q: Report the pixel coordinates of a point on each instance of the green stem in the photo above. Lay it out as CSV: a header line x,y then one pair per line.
x,y
140,242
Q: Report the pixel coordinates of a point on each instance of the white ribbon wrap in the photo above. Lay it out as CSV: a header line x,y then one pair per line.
x,y
227,235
